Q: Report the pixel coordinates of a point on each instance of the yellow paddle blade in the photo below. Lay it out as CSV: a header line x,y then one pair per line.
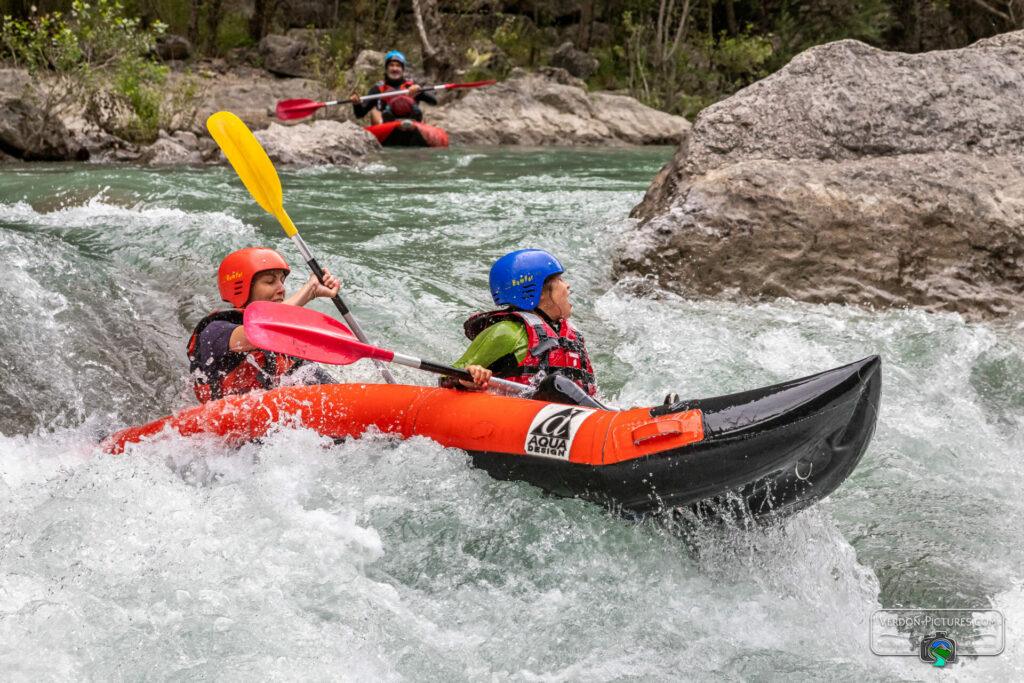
x,y
251,163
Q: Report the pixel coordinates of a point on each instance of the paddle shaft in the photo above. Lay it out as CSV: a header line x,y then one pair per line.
x,y
339,303
458,373
393,93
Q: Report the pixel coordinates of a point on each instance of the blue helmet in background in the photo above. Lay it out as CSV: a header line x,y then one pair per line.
x,y
517,278
395,56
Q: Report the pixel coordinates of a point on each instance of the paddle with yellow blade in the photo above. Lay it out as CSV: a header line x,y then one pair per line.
x,y
259,176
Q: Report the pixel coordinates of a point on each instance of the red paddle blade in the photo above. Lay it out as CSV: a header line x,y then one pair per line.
x,y
303,333
474,84
296,109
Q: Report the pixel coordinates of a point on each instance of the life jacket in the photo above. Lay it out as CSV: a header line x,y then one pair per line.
x,y
235,372
382,86
563,352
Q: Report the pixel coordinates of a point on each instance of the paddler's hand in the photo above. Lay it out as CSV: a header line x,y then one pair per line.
x,y
481,376
413,89
313,289
354,98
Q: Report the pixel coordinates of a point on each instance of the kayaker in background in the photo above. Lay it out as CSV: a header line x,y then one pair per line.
x,y
221,359
393,108
532,336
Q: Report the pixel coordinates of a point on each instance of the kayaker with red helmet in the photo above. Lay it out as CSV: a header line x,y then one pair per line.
x,y
393,108
532,336
221,358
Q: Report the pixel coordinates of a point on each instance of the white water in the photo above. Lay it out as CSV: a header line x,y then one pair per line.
x,y
299,558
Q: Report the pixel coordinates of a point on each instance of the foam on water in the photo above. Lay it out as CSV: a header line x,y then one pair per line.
x,y
377,559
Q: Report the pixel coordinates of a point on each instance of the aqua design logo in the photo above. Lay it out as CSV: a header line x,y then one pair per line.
x,y
938,649
553,430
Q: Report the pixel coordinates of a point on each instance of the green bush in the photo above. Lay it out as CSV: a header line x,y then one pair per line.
x,y
330,57
95,47
138,81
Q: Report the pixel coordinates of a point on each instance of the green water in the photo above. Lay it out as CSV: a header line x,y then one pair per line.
x,y
297,558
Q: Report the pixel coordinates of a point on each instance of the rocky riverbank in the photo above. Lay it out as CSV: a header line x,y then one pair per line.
x,y
852,175
546,107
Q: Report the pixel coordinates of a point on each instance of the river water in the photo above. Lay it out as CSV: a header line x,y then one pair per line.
x,y
296,558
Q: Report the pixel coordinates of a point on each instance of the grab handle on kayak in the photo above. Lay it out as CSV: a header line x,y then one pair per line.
x,y
662,429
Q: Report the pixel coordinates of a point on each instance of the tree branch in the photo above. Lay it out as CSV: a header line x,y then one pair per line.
x,y
428,50
992,10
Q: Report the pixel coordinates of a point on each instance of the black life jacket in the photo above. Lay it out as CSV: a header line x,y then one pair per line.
x,y
235,372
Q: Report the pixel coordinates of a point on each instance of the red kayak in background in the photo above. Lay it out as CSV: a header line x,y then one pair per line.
x,y
409,133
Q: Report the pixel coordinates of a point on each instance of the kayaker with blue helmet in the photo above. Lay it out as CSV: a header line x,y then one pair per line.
x,y
393,108
222,360
532,336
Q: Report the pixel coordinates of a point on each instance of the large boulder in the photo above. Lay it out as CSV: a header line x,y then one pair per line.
x,y
551,107
27,129
852,175
369,65
286,55
98,145
321,143
180,149
252,95
577,62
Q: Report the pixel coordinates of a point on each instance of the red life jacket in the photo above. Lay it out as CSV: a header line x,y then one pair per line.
x,y
382,86
235,372
563,352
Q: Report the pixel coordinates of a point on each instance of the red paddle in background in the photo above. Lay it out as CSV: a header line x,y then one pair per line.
x,y
300,108
308,334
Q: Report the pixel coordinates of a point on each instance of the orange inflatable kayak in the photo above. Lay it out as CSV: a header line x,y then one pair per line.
x,y
408,133
779,447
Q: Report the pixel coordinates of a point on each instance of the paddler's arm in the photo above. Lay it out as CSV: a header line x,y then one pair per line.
x,y
505,340
309,291
360,108
424,95
313,289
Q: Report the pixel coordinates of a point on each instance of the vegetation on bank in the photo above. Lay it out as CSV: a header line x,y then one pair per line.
x,y
99,59
676,55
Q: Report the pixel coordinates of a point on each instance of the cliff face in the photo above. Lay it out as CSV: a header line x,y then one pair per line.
x,y
852,175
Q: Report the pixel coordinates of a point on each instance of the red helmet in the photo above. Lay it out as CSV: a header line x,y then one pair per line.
x,y
234,277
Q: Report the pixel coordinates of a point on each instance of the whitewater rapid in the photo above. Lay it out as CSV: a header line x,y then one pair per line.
x,y
375,559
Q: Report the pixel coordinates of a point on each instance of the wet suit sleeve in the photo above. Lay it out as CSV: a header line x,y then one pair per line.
x,y
213,342
500,345
363,108
427,96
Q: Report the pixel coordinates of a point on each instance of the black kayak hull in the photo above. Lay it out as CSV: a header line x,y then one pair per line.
x,y
768,451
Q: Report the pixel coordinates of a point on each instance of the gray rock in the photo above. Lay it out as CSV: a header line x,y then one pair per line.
x,y
852,175
320,143
173,47
173,151
27,130
369,65
552,107
252,96
109,111
578,63
99,145
285,55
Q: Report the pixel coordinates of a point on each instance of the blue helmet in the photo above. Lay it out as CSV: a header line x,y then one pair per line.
x,y
394,55
517,278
